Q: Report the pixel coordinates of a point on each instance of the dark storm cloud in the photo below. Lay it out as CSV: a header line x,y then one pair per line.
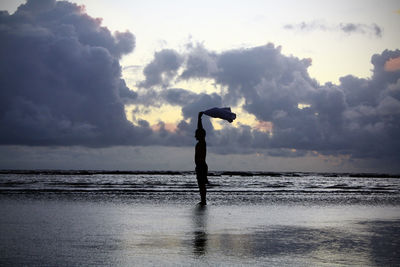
x,y
372,118
60,84
264,78
200,62
162,69
358,117
60,78
126,95
348,28
178,96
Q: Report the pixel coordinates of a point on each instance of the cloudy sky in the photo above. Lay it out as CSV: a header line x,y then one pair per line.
x,y
96,84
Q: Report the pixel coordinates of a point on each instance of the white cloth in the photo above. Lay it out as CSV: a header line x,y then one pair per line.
x,y
221,113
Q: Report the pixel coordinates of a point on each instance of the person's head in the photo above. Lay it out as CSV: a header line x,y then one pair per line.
x,y
200,134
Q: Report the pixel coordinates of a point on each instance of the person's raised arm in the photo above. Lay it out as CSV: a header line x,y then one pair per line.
x,y
199,123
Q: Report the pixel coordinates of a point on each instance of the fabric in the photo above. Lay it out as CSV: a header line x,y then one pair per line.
x,y
221,113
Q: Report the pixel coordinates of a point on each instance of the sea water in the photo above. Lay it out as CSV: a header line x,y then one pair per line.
x,y
151,218
224,188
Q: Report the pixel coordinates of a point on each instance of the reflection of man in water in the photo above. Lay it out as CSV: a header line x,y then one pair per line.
x,y
200,160
200,238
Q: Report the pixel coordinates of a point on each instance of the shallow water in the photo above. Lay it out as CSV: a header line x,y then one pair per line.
x,y
152,219
249,188
51,232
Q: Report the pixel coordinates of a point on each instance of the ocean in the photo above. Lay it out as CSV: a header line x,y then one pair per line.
x,y
224,188
103,218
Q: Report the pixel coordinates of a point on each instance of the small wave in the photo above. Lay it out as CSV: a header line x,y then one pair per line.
x,y
166,185
343,186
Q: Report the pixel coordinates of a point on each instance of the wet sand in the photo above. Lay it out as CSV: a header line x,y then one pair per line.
x,y
62,232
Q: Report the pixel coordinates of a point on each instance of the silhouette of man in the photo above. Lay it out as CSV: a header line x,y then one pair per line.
x,y
200,160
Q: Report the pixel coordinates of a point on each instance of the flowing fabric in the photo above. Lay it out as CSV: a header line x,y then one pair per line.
x,y
221,113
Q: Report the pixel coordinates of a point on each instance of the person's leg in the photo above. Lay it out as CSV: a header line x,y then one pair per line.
x,y
202,187
203,192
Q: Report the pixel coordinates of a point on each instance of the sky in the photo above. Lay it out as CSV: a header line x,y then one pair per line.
x,y
96,84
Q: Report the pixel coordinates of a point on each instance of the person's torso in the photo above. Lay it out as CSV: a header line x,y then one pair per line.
x,y
200,153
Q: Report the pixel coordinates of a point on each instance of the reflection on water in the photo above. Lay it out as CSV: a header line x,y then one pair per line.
x,y
73,233
307,244
367,243
200,230
384,241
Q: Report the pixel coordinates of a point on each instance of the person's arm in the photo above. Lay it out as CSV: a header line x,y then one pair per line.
x,y
199,123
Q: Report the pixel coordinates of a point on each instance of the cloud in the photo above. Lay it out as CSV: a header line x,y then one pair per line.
x,y
393,64
349,28
162,69
358,117
60,84
373,29
178,96
306,26
126,94
191,104
199,63
61,78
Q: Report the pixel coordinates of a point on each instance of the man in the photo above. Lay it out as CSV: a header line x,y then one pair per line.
x,y
200,160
